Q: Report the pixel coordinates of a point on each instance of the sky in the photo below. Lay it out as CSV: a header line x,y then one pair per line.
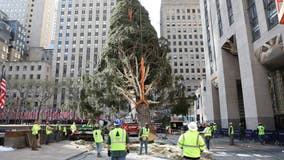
x,y
153,7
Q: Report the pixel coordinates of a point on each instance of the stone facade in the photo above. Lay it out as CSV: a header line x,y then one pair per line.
x,y
181,25
237,83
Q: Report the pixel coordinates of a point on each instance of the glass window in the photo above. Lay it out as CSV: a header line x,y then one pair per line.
x,y
271,13
252,14
230,12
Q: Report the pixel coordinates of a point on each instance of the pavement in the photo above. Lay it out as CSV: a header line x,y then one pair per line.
x,y
244,150
220,150
54,151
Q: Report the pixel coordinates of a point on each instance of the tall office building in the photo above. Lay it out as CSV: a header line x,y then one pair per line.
x,y
35,15
244,57
80,35
181,25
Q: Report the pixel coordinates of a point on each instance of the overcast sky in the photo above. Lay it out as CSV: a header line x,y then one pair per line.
x,y
153,7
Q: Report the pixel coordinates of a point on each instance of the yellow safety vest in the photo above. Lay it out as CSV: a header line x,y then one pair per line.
x,y
208,132
118,139
231,130
97,134
48,130
35,129
260,130
65,131
145,132
58,127
192,144
73,128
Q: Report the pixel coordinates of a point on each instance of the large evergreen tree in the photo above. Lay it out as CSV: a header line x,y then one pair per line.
x,y
131,37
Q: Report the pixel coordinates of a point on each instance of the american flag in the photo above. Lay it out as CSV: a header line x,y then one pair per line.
x,y
2,90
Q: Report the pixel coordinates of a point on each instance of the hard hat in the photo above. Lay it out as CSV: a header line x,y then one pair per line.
x,y
117,122
192,126
230,123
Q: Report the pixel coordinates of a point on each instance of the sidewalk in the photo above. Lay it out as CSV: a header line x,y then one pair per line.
x,y
221,150
54,151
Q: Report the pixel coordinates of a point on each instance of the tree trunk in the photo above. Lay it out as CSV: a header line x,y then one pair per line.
x,y
143,115
38,112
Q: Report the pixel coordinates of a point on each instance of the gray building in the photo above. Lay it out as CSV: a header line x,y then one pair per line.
x,y
244,61
80,35
181,25
36,16
5,31
18,41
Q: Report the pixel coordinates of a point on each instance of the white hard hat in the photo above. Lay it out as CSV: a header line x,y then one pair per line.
x,y
192,126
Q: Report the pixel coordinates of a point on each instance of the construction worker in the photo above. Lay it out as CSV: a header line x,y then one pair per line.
x,y
208,134
35,131
118,142
191,143
48,132
65,131
98,138
143,137
261,133
215,128
38,139
58,131
73,129
231,133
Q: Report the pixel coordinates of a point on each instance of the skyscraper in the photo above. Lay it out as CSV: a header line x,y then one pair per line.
x,y
35,15
80,35
244,53
181,25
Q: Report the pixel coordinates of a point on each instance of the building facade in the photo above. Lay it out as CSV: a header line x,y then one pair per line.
x,y
5,31
181,25
18,47
80,35
244,61
36,16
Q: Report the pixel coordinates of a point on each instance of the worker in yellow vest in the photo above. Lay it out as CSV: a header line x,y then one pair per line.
x,y
58,131
98,138
207,135
191,143
231,133
143,137
73,129
35,131
118,142
48,132
261,133
65,131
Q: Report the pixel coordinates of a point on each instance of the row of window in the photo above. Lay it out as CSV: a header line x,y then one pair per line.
x,y
175,43
184,17
24,77
188,10
185,36
25,68
181,50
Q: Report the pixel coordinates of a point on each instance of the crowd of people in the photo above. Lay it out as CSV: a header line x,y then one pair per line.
x,y
195,139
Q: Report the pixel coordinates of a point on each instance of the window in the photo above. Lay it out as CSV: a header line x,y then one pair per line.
x,y
38,76
230,12
32,68
17,68
271,13
252,14
220,25
39,67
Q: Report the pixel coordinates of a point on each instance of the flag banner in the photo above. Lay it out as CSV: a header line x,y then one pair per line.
x,y
2,89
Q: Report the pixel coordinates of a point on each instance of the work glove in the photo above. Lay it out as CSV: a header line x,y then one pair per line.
x,y
108,153
127,151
